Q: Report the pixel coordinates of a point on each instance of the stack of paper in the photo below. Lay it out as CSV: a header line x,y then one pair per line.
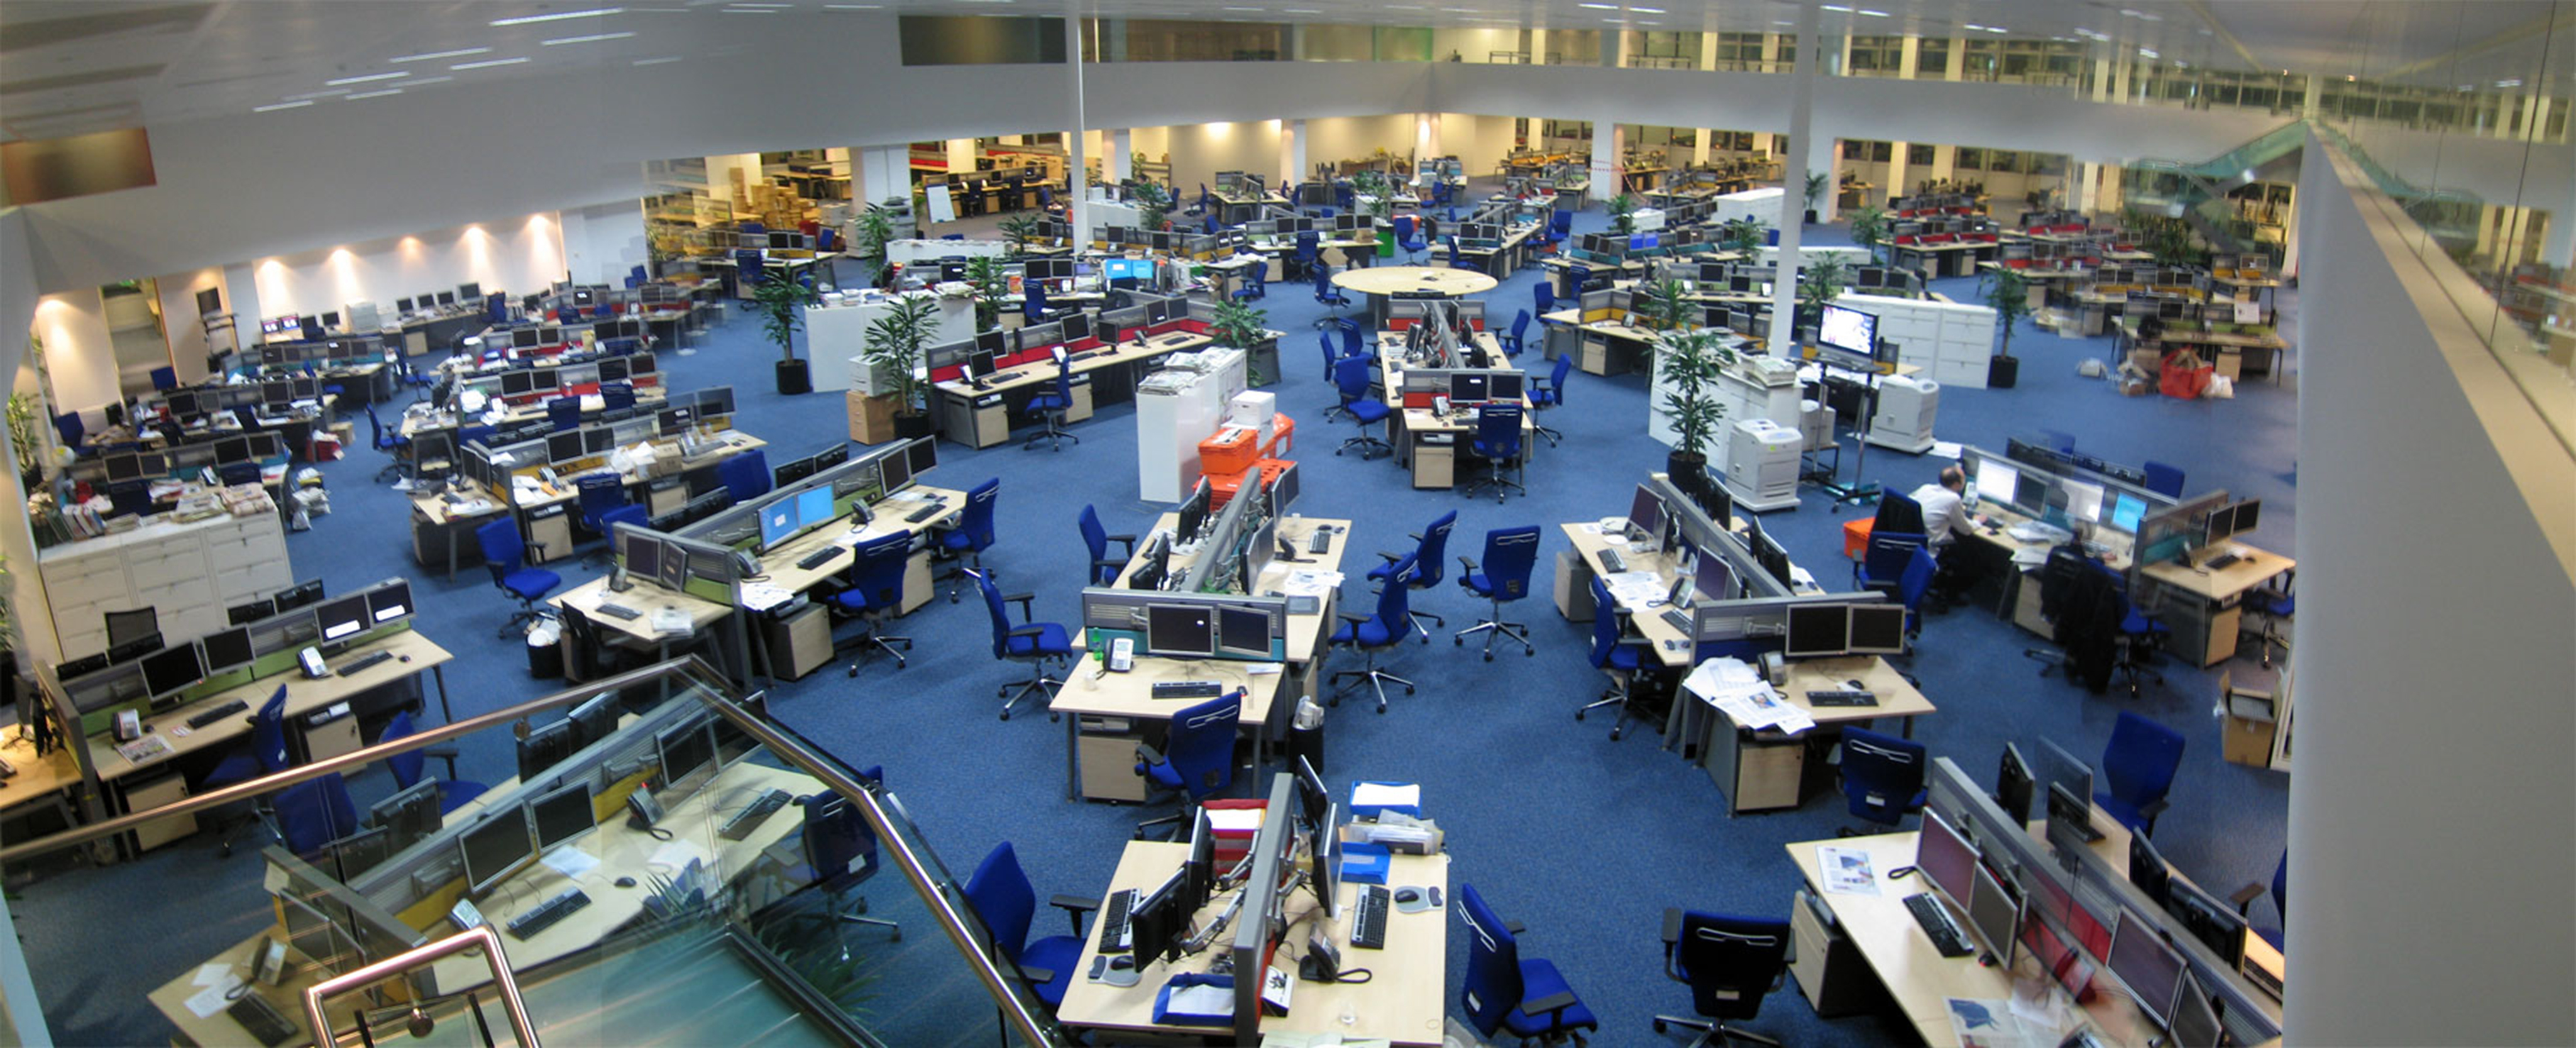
x,y
670,620
1738,689
1306,583
1633,589
761,596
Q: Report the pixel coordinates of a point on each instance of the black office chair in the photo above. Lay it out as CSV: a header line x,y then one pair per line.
x,y
1730,963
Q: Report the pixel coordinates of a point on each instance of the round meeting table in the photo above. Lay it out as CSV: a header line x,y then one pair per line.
x,y
1381,283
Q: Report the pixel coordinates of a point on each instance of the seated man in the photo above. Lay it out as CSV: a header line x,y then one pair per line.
x,y
1945,518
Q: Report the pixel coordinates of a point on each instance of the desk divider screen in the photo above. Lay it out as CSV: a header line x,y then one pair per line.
x,y
1110,614
92,699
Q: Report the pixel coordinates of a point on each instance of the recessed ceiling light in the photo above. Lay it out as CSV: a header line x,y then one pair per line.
x,y
591,39
376,94
489,64
1995,29
595,12
854,7
334,92
281,105
1600,7
433,55
2515,82
1835,7
365,79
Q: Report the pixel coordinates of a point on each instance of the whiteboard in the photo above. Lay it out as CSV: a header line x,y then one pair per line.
x,y
941,210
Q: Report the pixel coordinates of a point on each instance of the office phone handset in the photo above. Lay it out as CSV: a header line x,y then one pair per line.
x,y
268,961
642,811
1122,654
749,565
1322,962
465,916
311,659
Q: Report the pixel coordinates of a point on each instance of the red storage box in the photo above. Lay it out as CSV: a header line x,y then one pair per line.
x,y
1233,843
1229,452
1281,429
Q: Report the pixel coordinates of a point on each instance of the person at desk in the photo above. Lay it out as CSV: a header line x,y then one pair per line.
x,y
1945,518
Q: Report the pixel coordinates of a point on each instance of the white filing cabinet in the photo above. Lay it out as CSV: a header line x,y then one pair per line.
x,y
1175,409
188,573
1906,405
1950,341
1762,465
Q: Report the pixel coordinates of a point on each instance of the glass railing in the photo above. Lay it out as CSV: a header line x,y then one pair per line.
x,y
668,866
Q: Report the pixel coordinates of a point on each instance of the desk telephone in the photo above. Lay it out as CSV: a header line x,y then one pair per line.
x,y
1122,654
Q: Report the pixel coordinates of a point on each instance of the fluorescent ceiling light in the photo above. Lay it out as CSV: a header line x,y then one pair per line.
x,y
2515,82
747,11
1647,10
461,52
489,64
1874,14
591,39
1243,9
664,60
595,12
1835,7
281,105
427,80
1600,7
364,79
376,94
2148,52
1995,29
318,94
854,7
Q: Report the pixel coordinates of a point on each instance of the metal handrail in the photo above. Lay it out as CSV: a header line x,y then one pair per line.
x,y
479,937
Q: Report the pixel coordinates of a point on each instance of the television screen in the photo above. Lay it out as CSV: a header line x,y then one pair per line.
x,y
1849,330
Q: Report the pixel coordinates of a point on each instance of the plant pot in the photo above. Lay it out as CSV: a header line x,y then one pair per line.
x,y
1688,470
794,378
2002,371
1811,216
910,425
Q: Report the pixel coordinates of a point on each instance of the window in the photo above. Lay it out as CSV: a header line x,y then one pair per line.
x,y
1932,58
943,40
1918,155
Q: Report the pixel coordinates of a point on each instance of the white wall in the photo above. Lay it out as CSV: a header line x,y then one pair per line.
x,y
179,318
521,256
602,244
2433,893
80,357
1479,142
1199,151
1352,137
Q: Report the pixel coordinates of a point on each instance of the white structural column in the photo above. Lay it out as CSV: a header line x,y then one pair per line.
x,y
1295,140
1605,133
1802,107
1122,155
1077,172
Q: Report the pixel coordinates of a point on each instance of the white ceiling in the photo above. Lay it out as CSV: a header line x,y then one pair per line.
x,y
74,66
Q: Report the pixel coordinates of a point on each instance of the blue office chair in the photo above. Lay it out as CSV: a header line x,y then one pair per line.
x,y
1000,893
973,534
1882,776
69,426
877,568
1884,560
390,441
746,475
1427,561
1542,298
1374,633
1498,443
504,554
1912,587
1049,406
1405,237
264,754
1353,344
2142,634
130,497
313,813
1511,554
1579,279
165,379
1730,963
634,513
2138,769
1256,283
2164,479
2245,896
2271,606
1547,393
1455,262
1618,652
1561,223
841,853
617,396
1511,341
1326,295
1208,224
1504,991
1351,379
1306,256
1197,757
407,768
598,493
563,413
1032,642
1096,539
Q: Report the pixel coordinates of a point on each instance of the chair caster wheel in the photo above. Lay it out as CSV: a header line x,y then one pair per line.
x,y
1458,641
897,936
1578,714
1055,718
854,672
1530,653
1659,1026
907,646
1381,711
1006,714
1614,735
1408,689
862,907
898,663
1489,656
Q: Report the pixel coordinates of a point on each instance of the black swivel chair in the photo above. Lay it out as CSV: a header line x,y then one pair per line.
x,y
1730,963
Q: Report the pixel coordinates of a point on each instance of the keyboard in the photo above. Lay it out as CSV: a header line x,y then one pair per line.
x,y
1842,697
1678,619
228,709
547,913
925,512
261,1018
1114,932
1936,925
2221,561
1610,560
1188,689
1320,541
619,611
1368,921
819,557
749,819
1305,605
371,659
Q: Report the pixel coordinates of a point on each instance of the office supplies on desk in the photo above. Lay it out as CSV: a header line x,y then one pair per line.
x,y
1319,542
261,1019
1365,863
1610,560
924,513
1368,922
1936,925
1188,689
819,557
1842,698
619,611
556,908
1679,620
371,659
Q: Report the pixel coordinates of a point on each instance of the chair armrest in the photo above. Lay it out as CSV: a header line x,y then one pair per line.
x,y
1074,906
1110,562
1128,541
2246,895
1035,974
2153,808
1516,928
1672,925
1468,563
1025,631
1148,755
1021,599
1554,1002
1351,617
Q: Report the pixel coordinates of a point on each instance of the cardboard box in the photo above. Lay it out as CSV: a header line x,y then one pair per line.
x,y
871,418
2247,731
666,461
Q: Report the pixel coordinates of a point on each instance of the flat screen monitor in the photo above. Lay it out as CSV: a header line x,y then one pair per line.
x,y
408,815
2249,515
389,602
306,387
779,522
299,595
597,440
1995,914
2194,1022
563,814
2221,523
546,746
1946,860
447,298
1997,482
2060,768
277,394
2083,501
980,363
2013,786
896,471
595,718
813,506
792,471
831,456
2151,970
1504,386
183,405
495,848
167,671
469,292
342,618
920,456
675,567
2217,925
2127,511
1194,511
563,447
232,451
1158,311
1179,631
523,338
2147,869
124,468
226,648
1877,629
546,380
312,933
518,383
1817,631
1645,512
991,342
643,556
1244,632
684,750
1849,330
1283,491
1076,327
402,305
1468,387
1715,579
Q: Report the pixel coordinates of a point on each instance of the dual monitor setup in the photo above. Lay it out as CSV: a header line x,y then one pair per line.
x,y
2207,520
2059,501
551,380
688,755
144,672
223,451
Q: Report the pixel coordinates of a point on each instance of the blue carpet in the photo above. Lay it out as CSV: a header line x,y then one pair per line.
x,y
1584,839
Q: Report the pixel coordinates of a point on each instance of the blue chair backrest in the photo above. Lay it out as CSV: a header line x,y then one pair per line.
x,y
268,733
628,513
1493,985
746,475
1556,381
615,395
1520,327
1562,222
1434,549
1306,246
1035,305
407,766
1394,612
1544,294
1351,377
68,426
1510,555
1453,251
165,378
502,547
1897,514
1498,428
977,522
1201,748
2163,479
836,835
1888,554
600,492
315,812
1323,284
1881,774
1350,339
877,567
1001,895
1917,580
1404,227
1094,537
2138,765
1730,962
1001,618
1605,624
1324,341
564,412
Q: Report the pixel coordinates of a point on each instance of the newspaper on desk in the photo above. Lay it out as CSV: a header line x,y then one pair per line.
x,y
1309,583
670,620
1847,870
1634,589
1738,689
760,596
1993,1024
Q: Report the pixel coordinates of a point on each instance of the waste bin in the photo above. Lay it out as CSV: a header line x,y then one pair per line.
x,y
545,653
1306,736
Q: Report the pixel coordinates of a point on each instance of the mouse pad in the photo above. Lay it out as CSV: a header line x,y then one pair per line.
x,y
1420,900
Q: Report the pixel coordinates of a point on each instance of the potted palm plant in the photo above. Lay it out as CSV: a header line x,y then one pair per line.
x,y
1820,280
1869,230
1687,363
1665,306
1744,236
1623,213
1815,193
780,300
895,342
1241,326
875,231
1153,202
992,290
1016,231
2008,294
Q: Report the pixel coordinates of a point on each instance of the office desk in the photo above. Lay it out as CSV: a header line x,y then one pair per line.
x,y
2202,605
2266,345
1403,1003
48,780
442,530
982,417
1954,259
1767,770
1914,973
546,513
1504,256
1426,443
648,598
1673,647
1235,210
780,563
2039,279
1307,634
1378,283
2113,849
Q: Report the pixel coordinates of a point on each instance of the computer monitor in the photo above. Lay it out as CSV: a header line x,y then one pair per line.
x,y
298,595
494,849
342,618
1075,326
1877,629
684,750
409,814
565,446
226,649
546,380
1997,482
2147,870
1714,579
172,669
1179,631
518,383
1995,913
1243,631
675,566
1194,511
1849,330
2013,785
1468,387
980,363
1645,513
643,556
2083,500
1158,311
1155,921
1283,491
779,522
563,814
523,338
832,456
447,298
595,718
389,602
1817,631
124,468
1946,860
2216,924
895,471
2249,515
1504,386
920,456
546,746
310,931
2127,511
469,292
2194,1022
402,305
2151,970
232,451
2060,768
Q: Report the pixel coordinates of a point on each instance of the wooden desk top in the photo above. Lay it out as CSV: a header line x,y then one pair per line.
x,y
2036,273
1914,972
2254,568
303,695
435,509
38,777
1402,1003
780,563
1043,370
1896,698
1648,622
2001,536
727,444
1415,280
1131,694
646,598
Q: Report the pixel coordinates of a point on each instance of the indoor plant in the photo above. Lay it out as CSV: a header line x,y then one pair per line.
x,y
1243,327
1153,202
1665,305
1623,213
1815,193
1820,280
1016,231
23,442
876,230
780,300
895,341
1869,230
2008,294
1687,364
992,290
1744,236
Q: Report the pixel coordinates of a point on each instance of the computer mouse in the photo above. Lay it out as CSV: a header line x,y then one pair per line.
x,y
1408,895
405,658
1856,684
1122,962
626,882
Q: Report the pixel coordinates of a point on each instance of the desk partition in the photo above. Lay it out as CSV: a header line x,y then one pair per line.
x,y
228,658
1759,609
863,480
2060,487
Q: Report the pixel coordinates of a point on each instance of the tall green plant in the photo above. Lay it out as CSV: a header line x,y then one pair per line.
x,y
1017,231
1241,326
876,230
1815,189
1688,363
2008,294
780,300
2166,237
1666,307
1821,280
895,341
22,432
1869,229
1744,236
1380,193
992,290
1153,202
1623,213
